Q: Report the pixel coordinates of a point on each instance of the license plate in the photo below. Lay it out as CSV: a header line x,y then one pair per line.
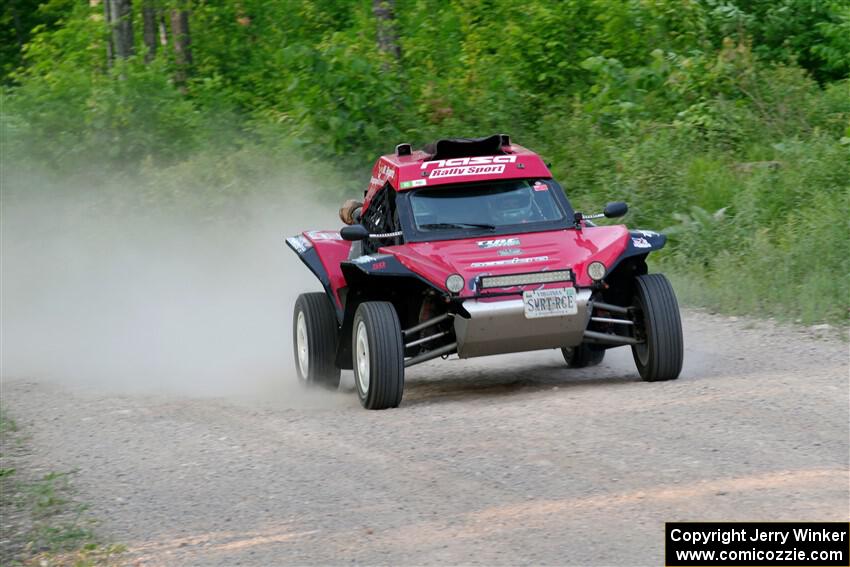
x,y
550,302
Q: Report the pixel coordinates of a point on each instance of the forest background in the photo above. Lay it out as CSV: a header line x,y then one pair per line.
x,y
724,122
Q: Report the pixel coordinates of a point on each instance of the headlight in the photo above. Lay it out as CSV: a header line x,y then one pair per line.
x,y
454,283
596,271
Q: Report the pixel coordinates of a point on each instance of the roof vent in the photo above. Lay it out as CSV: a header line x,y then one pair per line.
x,y
403,150
466,147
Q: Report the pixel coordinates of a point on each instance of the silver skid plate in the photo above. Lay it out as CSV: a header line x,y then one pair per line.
x,y
501,326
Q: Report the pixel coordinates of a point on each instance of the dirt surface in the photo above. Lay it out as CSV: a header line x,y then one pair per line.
x,y
500,460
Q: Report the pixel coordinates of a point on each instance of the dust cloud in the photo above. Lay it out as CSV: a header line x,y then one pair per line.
x,y
124,298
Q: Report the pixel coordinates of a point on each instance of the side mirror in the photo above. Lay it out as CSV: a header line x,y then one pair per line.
x,y
615,209
354,232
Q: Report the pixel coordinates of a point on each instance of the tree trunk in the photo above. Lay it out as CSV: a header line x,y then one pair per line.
x,y
107,17
384,11
120,13
162,26
182,41
20,32
150,31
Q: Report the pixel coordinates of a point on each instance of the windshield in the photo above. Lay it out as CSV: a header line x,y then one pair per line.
x,y
486,207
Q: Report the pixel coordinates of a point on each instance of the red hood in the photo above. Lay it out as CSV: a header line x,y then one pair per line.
x,y
500,255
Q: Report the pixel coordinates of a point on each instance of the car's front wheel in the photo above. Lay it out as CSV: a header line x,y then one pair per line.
x,y
659,357
378,351
314,337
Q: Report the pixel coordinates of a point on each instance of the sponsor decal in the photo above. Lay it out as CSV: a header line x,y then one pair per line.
x,y
498,243
467,170
641,243
386,172
648,233
323,235
540,186
510,252
509,262
413,183
378,264
458,167
479,160
299,243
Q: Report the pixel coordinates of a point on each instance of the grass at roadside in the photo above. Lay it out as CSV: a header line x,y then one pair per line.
x,y
42,524
743,297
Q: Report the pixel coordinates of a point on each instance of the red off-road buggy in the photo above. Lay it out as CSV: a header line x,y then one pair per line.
x,y
470,247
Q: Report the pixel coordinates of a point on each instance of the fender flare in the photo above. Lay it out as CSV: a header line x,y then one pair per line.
x,y
307,253
378,265
641,243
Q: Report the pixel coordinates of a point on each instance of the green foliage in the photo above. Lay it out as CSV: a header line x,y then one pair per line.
x,y
779,246
682,107
812,33
19,19
87,112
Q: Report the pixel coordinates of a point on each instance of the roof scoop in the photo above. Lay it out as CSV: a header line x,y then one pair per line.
x,y
467,147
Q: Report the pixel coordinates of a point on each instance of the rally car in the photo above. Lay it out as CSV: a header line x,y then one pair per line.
x,y
470,248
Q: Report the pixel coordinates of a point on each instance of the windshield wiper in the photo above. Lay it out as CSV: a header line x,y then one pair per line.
x,y
458,225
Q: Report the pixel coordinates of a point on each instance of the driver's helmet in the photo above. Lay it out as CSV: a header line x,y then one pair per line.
x,y
511,206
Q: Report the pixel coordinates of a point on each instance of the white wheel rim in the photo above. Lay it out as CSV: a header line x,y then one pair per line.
x,y
302,346
362,358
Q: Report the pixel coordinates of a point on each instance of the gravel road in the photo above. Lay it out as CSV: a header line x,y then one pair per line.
x,y
501,460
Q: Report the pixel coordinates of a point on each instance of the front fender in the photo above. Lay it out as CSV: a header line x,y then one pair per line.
x,y
640,243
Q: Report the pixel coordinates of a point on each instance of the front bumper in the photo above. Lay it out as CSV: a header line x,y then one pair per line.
x,y
499,327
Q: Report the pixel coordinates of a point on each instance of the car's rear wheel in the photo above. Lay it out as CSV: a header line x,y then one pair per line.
x,y
314,337
659,357
582,356
378,351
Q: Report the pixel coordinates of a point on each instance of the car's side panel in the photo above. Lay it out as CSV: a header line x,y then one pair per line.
x,y
383,172
380,265
368,270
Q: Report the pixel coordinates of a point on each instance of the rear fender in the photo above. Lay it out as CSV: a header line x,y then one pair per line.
x,y
322,252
